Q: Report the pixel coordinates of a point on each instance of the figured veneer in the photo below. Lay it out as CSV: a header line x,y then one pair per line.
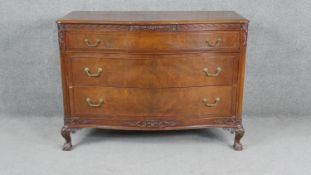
x,y
168,102
151,71
135,41
154,71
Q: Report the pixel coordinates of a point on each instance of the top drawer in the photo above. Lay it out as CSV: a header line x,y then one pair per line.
x,y
135,41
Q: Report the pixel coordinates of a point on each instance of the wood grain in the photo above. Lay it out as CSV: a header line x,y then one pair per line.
x,y
151,70
168,103
152,17
154,41
154,71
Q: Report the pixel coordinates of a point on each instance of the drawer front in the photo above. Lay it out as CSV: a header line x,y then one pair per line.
x,y
212,40
107,102
155,71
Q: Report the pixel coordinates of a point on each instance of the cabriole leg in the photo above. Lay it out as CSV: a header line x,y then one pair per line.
x,y
66,131
239,133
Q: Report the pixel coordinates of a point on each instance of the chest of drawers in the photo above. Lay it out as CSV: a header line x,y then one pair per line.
x,y
152,71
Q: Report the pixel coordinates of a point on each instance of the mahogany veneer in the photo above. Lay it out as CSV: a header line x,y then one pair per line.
x,y
152,70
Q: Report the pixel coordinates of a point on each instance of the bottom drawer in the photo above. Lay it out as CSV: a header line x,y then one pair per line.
x,y
126,103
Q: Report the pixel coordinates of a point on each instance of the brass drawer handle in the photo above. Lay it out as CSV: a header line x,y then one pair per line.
x,y
97,74
87,42
94,105
218,70
217,100
216,43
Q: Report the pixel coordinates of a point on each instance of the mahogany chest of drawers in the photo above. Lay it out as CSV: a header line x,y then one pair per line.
x,y
152,71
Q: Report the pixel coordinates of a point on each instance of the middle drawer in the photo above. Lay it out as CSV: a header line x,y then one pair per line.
x,y
154,71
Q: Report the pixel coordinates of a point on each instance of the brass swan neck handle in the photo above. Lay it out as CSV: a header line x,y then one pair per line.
x,y
89,44
93,104
205,102
88,72
218,70
215,44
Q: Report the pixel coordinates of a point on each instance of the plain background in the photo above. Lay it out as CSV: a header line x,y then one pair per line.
x,y
276,104
278,73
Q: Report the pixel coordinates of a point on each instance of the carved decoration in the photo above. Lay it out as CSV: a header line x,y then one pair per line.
x,y
152,123
227,121
165,28
239,133
61,36
77,121
66,134
170,28
245,33
97,27
201,27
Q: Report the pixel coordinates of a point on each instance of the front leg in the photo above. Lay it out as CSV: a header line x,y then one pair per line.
x,y
239,133
66,131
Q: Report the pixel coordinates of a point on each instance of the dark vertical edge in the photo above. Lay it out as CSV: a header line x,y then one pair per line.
x,y
235,84
61,40
243,43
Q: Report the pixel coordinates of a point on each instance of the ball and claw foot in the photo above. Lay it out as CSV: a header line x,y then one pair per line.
x,y
239,133
238,147
67,147
66,134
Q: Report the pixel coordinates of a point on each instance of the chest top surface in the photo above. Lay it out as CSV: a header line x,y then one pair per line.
x,y
152,17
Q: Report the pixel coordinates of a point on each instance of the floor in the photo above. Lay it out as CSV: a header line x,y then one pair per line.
x,y
272,145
